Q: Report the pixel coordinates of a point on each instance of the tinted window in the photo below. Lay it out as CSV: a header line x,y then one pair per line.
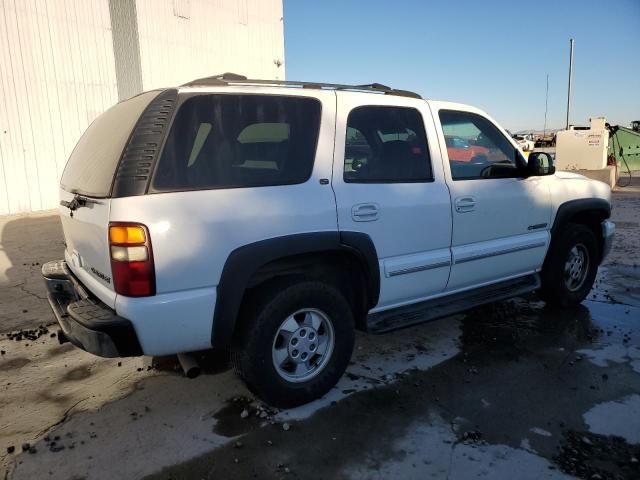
x,y
94,160
476,148
230,141
386,144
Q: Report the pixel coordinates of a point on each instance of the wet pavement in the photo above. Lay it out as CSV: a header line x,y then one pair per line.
x,y
509,390
527,379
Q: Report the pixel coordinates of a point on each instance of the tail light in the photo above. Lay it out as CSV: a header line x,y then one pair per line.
x,y
131,260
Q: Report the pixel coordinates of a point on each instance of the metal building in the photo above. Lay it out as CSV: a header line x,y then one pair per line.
x,y
63,62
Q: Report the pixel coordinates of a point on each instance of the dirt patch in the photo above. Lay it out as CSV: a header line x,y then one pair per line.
x,y
14,363
591,456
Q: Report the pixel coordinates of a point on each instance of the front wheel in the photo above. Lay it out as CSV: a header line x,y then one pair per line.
x,y
295,344
571,266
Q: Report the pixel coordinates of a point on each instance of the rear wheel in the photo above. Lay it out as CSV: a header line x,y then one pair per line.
x,y
295,342
571,266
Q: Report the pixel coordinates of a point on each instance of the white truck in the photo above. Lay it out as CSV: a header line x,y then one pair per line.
x,y
275,218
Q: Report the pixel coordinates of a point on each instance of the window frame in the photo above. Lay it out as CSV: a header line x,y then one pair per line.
x,y
521,162
184,97
431,178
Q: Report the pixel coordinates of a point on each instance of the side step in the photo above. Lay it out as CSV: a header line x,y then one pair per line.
x,y
416,313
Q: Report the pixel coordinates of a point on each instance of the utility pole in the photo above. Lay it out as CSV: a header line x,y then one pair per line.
x,y
570,78
546,106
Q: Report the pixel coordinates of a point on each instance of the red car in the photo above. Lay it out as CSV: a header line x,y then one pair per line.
x,y
459,149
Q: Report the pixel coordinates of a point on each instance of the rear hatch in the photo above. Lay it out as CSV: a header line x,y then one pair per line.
x,y
85,191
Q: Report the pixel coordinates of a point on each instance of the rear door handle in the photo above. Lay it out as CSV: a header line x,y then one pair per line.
x,y
365,212
465,204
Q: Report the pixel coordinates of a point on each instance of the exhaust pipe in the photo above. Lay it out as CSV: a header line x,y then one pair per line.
x,y
189,365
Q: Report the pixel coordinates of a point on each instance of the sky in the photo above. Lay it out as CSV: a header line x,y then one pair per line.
x,y
494,55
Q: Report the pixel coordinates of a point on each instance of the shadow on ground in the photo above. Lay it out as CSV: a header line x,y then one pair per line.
x,y
25,244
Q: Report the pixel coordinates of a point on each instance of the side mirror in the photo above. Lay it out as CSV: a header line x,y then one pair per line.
x,y
540,164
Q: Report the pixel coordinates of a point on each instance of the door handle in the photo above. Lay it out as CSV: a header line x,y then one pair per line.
x,y
465,204
365,212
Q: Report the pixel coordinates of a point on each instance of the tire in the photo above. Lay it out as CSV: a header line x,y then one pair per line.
x,y
264,338
566,288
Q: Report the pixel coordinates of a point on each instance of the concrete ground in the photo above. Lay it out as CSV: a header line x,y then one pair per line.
x,y
511,390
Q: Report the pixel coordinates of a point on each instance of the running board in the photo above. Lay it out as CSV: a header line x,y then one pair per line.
x,y
409,315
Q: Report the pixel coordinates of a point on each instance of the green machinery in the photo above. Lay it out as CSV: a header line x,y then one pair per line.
x,y
624,146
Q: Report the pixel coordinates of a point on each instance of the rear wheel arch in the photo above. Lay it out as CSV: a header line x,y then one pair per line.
x,y
346,261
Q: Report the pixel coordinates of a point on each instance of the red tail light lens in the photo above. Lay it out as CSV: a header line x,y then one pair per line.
x,y
132,260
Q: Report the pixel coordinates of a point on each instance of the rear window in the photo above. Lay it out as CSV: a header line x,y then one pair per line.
x,y
95,158
234,141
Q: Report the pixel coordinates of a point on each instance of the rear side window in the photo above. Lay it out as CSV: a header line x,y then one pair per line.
x,y
234,141
95,158
386,145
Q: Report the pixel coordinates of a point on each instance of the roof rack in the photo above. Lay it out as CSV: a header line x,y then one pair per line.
x,y
227,79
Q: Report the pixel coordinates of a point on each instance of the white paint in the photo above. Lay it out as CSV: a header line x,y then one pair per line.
x,y
477,226
413,227
161,322
620,417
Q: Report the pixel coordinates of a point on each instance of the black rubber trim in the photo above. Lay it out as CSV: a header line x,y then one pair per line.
x,y
572,207
362,246
246,260
144,145
96,316
90,324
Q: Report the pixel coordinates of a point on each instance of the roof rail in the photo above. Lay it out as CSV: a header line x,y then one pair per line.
x,y
227,79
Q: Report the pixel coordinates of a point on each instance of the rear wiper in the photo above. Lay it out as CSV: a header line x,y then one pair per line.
x,y
77,202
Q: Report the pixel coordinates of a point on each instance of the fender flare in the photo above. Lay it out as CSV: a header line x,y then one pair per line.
x,y
568,209
243,262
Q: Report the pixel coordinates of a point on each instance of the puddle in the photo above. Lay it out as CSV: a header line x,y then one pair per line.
x,y
507,326
230,421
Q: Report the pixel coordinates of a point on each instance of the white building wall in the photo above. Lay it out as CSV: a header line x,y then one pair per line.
x,y
56,76
58,72
181,40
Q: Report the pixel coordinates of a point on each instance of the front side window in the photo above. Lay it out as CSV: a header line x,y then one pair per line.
x,y
477,149
235,141
386,145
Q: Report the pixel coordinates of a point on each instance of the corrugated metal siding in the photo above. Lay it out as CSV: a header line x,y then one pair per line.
x,y
181,40
56,75
57,72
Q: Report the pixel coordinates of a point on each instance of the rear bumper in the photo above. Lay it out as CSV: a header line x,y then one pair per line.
x,y
608,232
86,321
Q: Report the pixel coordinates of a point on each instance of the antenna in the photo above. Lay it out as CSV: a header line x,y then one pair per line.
x,y
546,107
570,78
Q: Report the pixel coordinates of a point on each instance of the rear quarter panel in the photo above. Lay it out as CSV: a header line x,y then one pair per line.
x,y
193,232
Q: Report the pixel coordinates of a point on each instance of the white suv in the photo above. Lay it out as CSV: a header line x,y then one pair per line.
x,y
274,218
